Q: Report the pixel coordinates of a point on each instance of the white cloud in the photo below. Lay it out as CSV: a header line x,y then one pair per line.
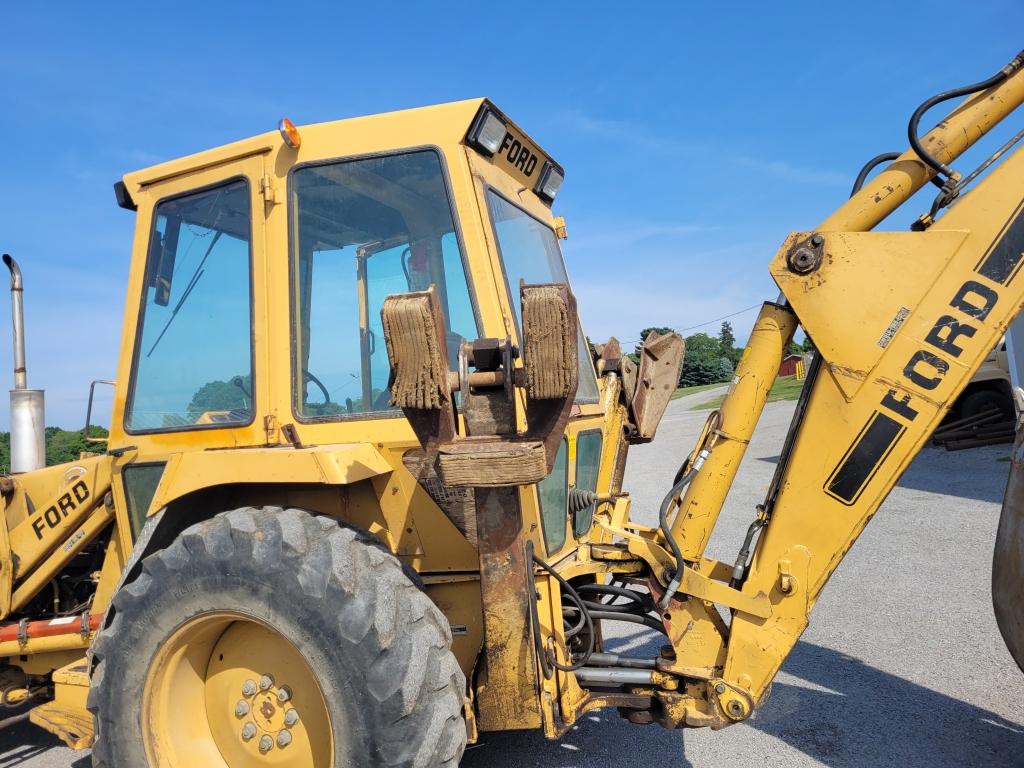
x,y
636,136
789,172
626,234
664,298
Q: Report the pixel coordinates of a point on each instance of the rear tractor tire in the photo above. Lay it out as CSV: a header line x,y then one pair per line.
x,y
272,637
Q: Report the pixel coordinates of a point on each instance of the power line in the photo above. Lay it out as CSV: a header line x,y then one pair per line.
x,y
701,325
717,319
709,322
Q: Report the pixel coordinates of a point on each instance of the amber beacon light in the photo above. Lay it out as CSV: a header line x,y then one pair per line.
x,y
289,133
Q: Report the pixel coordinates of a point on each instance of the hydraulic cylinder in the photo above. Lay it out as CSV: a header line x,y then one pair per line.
x,y
743,404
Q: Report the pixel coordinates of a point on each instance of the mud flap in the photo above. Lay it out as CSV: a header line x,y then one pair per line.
x,y
1008,558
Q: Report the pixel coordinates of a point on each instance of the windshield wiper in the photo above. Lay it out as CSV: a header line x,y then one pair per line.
x,y
188,290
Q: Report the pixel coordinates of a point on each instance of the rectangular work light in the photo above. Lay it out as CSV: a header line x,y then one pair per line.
x,y
487,132
550,181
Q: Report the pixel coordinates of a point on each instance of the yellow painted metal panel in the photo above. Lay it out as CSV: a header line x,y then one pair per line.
x,y
329,465
868,287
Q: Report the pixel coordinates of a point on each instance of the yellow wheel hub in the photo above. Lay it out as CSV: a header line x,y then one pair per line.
x,y
227,691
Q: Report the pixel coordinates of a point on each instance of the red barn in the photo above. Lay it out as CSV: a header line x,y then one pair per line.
x,y
788,366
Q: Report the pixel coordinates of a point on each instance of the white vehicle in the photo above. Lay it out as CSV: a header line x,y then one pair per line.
x,y
989,388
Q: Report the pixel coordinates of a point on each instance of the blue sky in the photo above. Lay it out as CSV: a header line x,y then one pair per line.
x,y
694,137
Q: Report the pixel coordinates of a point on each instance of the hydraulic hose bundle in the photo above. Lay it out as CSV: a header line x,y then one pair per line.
x,y
601,603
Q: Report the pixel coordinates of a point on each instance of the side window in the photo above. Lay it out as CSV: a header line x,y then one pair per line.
x,y
553,492
529,251
140,484
363,230
588,464
193,352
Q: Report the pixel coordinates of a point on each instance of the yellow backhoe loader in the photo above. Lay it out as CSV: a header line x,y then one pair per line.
x,y
361,498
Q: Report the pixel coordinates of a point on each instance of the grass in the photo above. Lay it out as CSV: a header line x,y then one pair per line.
x,y
683,391
784,388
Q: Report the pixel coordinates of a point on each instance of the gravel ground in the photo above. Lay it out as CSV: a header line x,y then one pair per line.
x,y
902,665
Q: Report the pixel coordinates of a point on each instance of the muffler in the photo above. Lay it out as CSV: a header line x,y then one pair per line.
x,y
28,427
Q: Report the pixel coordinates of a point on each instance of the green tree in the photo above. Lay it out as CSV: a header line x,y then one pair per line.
x,y
221,396
727,342
63,446
703,362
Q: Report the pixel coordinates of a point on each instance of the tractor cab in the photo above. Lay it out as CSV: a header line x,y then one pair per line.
x,y
259,275
364,325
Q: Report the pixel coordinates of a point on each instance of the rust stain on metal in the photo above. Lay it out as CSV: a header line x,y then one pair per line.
x,y
510,696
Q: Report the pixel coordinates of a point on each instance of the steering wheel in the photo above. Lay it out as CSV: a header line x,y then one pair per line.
x,y
308,377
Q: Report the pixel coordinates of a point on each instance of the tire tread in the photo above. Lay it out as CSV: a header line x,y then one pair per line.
x,y
413,674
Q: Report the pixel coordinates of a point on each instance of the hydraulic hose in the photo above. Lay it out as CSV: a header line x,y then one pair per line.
x,y
874,162
869,166
666,506
967,90
672,498
637,602
632,618
572,595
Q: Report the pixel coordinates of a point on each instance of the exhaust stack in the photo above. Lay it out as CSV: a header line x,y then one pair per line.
x,y
28,436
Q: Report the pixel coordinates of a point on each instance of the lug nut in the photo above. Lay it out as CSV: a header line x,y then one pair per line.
x,y
266,682
284,694
291,717
266,744
284,738
248,731
248,688
241,709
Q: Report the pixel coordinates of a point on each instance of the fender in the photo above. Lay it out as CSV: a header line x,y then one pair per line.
x,y
341,464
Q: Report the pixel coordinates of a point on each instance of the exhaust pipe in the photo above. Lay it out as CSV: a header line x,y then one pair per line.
x,y
28,429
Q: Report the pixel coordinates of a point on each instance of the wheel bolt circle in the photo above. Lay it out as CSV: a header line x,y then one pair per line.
x,y
248,731
241,709
291,717
266,682
266,743
248,688
284,738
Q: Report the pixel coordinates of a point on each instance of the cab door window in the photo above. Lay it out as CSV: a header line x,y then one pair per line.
x,y
193,360
588,465
529,252
364,229
553,493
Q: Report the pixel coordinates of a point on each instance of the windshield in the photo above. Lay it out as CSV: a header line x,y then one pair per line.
x,y
529,251
193,358
366,229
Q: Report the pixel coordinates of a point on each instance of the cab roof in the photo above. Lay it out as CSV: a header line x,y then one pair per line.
x,y
435,125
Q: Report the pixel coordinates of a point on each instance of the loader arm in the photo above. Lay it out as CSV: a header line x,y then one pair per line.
x,y
901,320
